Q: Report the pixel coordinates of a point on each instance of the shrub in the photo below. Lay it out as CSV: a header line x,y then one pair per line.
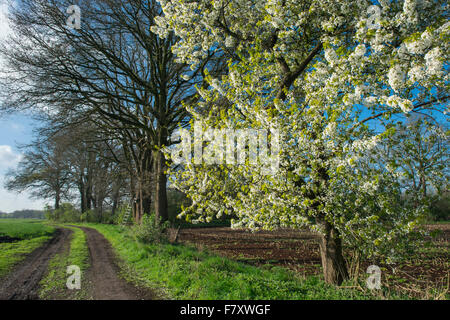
x,y
175,201
65,213
69,213
440,208
108,217
150,230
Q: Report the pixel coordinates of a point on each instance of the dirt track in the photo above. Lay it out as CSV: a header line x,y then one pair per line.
x,y
23,282
103,274
102,278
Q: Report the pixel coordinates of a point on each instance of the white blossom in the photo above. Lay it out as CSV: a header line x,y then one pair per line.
x,y
396,77
331,56
434,63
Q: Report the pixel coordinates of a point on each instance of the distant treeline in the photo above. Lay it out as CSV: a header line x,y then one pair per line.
x,y
23,214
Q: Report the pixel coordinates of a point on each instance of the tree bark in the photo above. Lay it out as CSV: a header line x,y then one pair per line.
x,y
161,207
142,203
82,195
116,196
424,185
333,263
57,200
88,197
147,204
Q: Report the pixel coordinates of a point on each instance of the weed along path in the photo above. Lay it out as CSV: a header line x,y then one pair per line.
x,y
23,281
103,274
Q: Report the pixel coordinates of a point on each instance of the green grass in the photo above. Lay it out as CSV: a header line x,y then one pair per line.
x,y
53,285
33,234
185,273
24,228
13,253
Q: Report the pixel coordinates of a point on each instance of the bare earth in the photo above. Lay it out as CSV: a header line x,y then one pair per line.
x,y
103,280
298,250
103,274
23,282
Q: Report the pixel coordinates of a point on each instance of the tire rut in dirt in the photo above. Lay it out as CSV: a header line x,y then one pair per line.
x,y
103,273
22,283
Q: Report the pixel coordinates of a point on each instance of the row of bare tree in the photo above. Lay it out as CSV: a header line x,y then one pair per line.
x,y
74,163
111,95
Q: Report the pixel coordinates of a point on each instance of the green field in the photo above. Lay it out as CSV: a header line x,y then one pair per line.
x,y
24,228
30,235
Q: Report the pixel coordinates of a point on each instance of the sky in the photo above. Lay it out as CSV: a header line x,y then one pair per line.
x,y
15,130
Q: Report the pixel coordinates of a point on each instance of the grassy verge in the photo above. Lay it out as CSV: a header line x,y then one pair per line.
x,y
13,253
28,235
24,229
53,285
185,273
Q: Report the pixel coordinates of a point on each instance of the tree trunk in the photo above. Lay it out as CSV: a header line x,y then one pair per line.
x,y
333,263
147,203
142,205
116,196
424,185
82,195
57,200
100,201
161,209
88,197
136,212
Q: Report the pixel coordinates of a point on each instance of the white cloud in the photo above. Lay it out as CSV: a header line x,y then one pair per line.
x,y
11,201
4,25
8,158
5,29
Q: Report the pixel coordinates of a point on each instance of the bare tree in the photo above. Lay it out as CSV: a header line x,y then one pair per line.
x,y
44,171
114,69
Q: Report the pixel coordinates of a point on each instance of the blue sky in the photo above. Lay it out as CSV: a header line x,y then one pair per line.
x,y
14,130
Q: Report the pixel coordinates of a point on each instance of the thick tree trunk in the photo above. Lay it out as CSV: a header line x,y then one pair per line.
x,y
57,200
147,204
161,207
89,198
133,194
424,185
142,205
115,204
136,211
333,263
82,196
99,207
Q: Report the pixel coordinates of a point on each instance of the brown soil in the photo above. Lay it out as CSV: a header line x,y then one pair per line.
x,y
102,278
23,282
294,249
103,274
6,239
299,251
